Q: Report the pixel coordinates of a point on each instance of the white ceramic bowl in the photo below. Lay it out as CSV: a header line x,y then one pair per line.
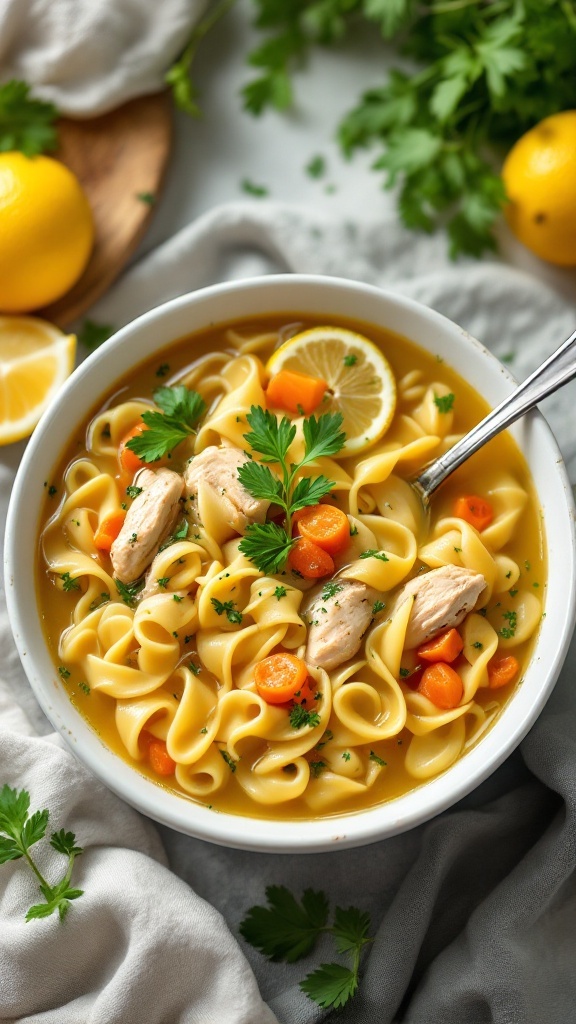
x,y
330,298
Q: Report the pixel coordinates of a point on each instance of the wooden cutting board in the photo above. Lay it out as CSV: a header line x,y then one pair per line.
x,y
118,157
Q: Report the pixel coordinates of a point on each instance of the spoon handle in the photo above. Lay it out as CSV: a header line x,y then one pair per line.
x,y
555,371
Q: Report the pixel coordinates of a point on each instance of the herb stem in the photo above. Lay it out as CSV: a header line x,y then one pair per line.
x,y
31,864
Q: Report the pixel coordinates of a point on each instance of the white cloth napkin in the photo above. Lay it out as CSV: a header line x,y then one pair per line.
x,y
471,912
89,56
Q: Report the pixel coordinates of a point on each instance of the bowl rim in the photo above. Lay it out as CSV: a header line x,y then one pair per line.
x,y
253,833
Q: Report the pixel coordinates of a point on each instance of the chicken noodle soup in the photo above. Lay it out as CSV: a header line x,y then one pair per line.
x,y
219,628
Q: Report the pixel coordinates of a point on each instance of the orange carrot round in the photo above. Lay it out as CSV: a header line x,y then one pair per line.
x,y
442,685
128,459
474,510
108,530
502,671
444,647
279,677
326,526
159,758
311,561
296,392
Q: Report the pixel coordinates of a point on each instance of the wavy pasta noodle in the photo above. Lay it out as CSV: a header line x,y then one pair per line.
x,y
166,631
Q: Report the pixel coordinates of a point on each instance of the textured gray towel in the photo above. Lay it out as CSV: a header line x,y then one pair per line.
x,y
475,912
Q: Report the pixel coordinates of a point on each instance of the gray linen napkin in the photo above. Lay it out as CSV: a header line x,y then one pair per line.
x,y
473,912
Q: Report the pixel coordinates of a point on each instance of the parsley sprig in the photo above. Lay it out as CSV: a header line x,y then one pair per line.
x,y
26,124
288,930
268,544
19,831
181,411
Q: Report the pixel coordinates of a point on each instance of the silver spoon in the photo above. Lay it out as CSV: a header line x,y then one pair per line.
x,y
552,374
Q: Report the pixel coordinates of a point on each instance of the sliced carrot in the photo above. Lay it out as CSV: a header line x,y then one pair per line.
x,y
159,758
502,671
326,526
444,647
474,510
311,561
108,530
128,459
279,677
442,685
296,392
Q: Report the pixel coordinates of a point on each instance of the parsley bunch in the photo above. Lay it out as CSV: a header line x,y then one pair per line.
x,y
288,930
19,831
484,73
181,411
267,544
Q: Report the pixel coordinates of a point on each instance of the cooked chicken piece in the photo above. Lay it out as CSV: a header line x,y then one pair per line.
x,y
148,520
442,599
217,468
338,623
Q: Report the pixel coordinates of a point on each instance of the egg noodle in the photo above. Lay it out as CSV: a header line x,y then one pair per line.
x,y
167,662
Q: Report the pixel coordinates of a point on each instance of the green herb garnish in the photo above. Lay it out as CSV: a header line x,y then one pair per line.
x,y
227,608
19,831
377,760
507,632
132,491
229,761
26,124
69,582
372,553
93,334
280,592
268,544
300,716
444,403
330,589
316,167
181,411
128,592
99,601
377,607
288,930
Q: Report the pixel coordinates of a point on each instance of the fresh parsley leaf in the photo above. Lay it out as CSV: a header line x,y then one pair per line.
x,y
330,985
322,436
280,592
267,545
286,930
268,436
378,607
260,481
93,334
444,403
229,760
132,491
146,197
180,533
21,832
507,632
316,768
26,124
309,492
377,760
330,589
181,411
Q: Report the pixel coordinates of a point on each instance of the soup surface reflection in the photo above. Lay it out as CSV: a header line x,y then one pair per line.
x,y
293,689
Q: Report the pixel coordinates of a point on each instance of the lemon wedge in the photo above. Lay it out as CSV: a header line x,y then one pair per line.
x,y
360,379
35,360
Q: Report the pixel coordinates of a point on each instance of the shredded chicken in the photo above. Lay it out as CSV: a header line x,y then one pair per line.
x,y
217,468
338,622
148,521
442,599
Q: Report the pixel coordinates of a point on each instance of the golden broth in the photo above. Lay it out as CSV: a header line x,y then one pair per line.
x,y
526,546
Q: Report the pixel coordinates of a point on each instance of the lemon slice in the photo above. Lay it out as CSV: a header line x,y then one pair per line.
x,y
35,360
361,382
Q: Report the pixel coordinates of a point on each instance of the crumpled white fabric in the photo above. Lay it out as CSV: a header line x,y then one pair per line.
x,y
89,56
447,900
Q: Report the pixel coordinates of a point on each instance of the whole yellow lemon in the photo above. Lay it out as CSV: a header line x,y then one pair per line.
x,y
539,175
46,231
